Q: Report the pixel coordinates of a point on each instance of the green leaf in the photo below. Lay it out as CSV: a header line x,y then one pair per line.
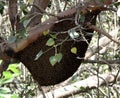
x,y
5,81
15,65
53,60
12,39
7,95
7,74
46,32
38,55
74,50
22,33
4,90
82,88
82,18
50,42
58,57
14,96
14,68
53,36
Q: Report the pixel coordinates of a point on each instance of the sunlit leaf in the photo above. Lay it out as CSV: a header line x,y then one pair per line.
x,y
15,96
4,90
50,42
5,81
30,1
53,36
14,69
74,50
58,57
7,74
53,60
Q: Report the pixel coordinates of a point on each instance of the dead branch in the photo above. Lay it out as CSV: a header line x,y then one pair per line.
x,y
102,43
37,6
12,8
83,85
102,62
103,32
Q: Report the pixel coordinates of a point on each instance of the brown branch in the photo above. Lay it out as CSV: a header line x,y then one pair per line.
x,y
83,85
104,41
102,32
36,32
36,19
12,9
102,62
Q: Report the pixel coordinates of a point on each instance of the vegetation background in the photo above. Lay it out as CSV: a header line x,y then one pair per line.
x,y
94,78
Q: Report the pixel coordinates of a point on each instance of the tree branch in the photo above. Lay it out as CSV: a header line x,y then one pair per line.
x,y
102,43
102,62
102,32
36,19
83,85
37,31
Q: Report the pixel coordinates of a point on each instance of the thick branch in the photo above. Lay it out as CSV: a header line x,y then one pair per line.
x,y
36,32
12,9
83,86
104,33
36,19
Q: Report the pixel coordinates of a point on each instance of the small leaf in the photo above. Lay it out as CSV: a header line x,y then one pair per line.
x,y
7,74
82,18
4,81
12,39
82,88
53,60
4,90
30,1
74,50
58,57
14,96
45,33
38,55
50,42
53,36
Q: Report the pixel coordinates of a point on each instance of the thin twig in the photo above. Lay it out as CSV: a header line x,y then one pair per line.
x,y
102,32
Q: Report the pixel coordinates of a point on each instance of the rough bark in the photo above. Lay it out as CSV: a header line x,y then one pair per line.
x,y
83,86
38,6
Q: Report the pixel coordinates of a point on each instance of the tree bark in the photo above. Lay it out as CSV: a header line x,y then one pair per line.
x,y
82,86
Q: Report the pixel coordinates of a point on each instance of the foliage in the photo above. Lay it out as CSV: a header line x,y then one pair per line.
x,y
15,83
